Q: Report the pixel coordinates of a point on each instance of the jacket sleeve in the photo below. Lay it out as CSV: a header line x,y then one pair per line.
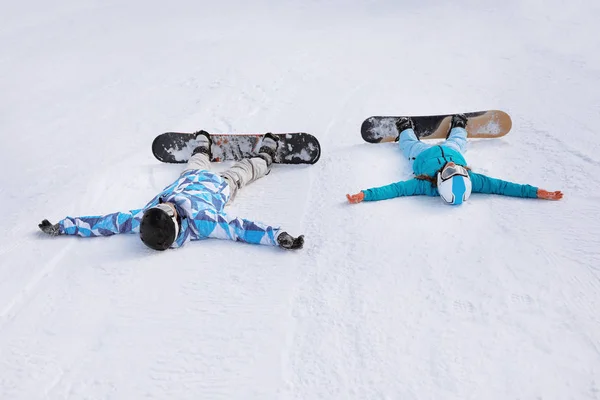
x,y
105,225
210,224
484,184
411,187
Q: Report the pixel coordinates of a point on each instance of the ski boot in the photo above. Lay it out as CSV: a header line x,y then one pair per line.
x,y
404,123
204,143
458,121
268,148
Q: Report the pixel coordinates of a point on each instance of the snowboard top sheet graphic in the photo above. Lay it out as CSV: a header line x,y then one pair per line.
x,y
294,148
480,124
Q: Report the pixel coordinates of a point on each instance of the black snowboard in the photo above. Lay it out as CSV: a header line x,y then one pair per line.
x,y
294,148
481,124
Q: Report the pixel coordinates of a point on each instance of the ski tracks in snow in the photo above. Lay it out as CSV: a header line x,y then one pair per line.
x,y
375,306
328,337
30,355
93,195
8,312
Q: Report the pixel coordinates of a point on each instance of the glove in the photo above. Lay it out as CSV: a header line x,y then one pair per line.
x,y
287,241
355,198
544,194
48,228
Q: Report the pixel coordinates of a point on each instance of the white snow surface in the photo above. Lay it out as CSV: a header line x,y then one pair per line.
x,y
400,299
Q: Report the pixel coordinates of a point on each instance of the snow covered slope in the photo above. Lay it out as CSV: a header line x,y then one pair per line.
x,y
401,299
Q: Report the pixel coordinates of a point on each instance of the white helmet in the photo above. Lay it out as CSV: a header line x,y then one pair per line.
x,y
454,184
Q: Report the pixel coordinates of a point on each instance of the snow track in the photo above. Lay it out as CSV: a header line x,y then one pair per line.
x,y
406,298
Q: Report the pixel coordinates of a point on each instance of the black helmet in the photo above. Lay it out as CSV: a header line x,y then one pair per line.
x,y
159,227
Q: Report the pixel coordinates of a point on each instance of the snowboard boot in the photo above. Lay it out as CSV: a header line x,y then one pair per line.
x,y
404,123
268,148
204,143
458,121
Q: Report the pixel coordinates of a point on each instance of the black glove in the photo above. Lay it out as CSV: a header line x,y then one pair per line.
x,y
287,241
48,228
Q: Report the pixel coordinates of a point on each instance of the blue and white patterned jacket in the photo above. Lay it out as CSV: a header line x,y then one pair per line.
x,y
199,197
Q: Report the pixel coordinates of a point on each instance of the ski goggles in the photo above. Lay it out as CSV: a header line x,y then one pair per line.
x,y
450,171
170,211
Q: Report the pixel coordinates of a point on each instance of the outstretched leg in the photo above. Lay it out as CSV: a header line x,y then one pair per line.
x,y
457,137
248,170
410,145
245,172
198,161
457,140
201,156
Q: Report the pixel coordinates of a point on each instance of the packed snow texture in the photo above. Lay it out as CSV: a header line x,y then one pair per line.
x,y
401,299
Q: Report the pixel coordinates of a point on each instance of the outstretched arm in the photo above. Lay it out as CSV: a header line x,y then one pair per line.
x,y
92,226
210,224
485,184
411,187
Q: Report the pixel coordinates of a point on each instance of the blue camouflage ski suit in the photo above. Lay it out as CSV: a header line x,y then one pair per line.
x,y
199,196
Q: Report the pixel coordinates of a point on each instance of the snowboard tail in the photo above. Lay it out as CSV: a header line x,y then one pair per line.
x,y
294,148
480,124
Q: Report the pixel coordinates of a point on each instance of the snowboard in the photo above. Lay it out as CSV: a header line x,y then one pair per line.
x,y
480,124
294,148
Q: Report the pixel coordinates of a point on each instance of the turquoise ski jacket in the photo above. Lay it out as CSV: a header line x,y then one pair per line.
x,y
429,162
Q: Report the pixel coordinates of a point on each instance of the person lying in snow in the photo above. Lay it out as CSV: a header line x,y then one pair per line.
x,y
442,170
191,208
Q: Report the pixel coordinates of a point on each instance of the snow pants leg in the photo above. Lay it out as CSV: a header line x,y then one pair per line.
x,y
411,146
457,140
198,161
245,172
